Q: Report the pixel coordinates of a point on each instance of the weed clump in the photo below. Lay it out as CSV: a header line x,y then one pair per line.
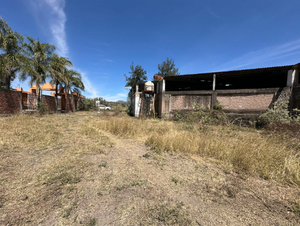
x,y
203,116
279,113
169,215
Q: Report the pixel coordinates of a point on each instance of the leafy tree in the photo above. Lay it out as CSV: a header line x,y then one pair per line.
x,y
58,66
137,75
39,55
167,68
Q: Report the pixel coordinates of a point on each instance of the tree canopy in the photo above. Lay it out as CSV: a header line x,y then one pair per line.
x,y
167,68
36,60
137,74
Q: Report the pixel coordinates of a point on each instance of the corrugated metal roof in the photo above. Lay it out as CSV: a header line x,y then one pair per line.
x,y
233,72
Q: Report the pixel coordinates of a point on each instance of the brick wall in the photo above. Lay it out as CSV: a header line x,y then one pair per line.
x,y
49,103
10,102
238,101
71,104
187,102
246,102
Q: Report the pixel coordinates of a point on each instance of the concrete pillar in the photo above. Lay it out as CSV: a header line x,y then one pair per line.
x,y
296,76
163,86
214,82
137,104
290,78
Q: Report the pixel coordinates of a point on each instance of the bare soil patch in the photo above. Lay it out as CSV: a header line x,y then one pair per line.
x,y
62,170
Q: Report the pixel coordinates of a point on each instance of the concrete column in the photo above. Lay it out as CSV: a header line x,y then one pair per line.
x,y
137,105
214,82
296,76
163,86
290,78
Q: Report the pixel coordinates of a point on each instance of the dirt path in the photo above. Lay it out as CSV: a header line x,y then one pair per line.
x,y
92,177
131,185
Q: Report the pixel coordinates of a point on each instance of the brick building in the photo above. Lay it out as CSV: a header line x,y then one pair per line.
x,y
240,92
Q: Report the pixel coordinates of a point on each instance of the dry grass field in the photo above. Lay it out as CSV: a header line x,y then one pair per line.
x,y
88,169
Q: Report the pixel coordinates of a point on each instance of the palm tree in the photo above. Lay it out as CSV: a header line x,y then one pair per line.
x,y
39,55
72,83
12,58
58,66
4,29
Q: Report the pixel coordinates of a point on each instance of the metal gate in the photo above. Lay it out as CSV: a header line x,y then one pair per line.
x,y
30,103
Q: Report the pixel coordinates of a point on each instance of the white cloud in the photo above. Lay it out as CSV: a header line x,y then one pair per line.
x,y
266,54
51,13
90,90
57,25
118,96
108,60
213,13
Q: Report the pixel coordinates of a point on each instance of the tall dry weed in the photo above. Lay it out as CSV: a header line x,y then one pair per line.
x,y
268,156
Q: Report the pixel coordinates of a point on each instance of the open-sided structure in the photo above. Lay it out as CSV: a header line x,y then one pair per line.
x,y
240,92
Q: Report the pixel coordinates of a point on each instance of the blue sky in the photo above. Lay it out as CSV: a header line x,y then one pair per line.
x,y
103,37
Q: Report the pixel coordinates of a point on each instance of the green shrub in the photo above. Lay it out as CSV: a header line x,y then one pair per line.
x,y
88,104
278,114
42,108
218,106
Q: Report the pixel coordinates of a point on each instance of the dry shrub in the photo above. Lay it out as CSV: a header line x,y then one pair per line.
x,y
163,214
131,128
268,156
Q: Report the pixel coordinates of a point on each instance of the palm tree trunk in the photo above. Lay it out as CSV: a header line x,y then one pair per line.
x,y
7,82
37,96
7,78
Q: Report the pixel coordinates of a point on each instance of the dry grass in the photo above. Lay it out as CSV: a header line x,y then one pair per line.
x,y
69,170
269,156
43,159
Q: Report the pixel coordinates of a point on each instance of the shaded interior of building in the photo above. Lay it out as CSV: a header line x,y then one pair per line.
x,y
243,79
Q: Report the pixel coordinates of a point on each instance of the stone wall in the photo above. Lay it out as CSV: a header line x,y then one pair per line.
x,y
10,102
